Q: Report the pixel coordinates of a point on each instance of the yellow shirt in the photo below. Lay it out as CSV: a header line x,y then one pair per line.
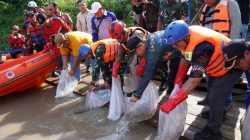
x,y
76,39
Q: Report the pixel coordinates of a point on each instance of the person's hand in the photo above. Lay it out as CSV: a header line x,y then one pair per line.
x,y
133,99
106,85
95,88
180,76
140,69
170,104
19,35
115,68
72,72
65,67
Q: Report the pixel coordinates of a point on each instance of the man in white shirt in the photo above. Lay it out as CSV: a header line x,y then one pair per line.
x,y
83,22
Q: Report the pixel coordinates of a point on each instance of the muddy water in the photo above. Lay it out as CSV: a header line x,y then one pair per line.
x,y
35,115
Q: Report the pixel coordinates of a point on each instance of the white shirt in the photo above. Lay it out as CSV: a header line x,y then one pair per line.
x,y
83,22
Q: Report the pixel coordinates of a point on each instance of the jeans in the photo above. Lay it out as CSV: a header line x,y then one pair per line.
x,y
244,31
248,88
77,71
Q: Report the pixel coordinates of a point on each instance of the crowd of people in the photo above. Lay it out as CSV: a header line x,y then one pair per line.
x,y
162,41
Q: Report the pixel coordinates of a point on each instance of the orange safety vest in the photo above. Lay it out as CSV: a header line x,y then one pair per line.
x,y
221,19
200,34
111,46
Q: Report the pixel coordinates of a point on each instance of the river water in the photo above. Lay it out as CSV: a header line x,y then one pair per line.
x,y
35,114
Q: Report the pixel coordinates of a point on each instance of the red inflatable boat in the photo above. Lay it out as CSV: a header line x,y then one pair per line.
x,y
26,72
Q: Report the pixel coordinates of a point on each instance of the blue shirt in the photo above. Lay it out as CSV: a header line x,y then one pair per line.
x,y
156,47
100,26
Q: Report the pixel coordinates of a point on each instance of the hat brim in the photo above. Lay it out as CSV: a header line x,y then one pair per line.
x,y
94,11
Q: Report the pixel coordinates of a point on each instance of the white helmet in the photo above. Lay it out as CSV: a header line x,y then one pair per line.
x,y
32,4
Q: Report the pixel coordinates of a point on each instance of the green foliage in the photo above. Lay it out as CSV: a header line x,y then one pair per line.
x,y
11,12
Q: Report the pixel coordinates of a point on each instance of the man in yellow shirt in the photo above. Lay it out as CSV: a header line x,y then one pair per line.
x,y
69,45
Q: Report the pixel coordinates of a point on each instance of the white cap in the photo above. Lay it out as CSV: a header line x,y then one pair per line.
x,y
32,4
95,7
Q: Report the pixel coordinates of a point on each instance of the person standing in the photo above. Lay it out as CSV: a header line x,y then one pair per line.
x,y
64,16
83,23
151,9
202,48
224,17
101,22
244,10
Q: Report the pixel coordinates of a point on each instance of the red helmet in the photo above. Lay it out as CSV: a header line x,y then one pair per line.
x,y
15,27
116,28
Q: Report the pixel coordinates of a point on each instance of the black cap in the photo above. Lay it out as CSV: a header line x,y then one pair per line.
x,y
234,51
41,18
133,42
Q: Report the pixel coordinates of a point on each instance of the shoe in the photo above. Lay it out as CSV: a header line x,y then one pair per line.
x,y
206,115
207,134
87,71
203,102
54,74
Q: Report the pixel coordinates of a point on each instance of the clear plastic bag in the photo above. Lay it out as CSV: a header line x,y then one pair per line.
x,y
116,100
97,99
66,84
246,127
144,108
171,126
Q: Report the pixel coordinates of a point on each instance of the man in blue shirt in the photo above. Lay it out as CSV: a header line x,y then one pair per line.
x,y
154,49
101,22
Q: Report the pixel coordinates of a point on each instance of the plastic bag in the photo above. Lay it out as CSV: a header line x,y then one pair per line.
x,y
97,99
171,126
144,108
130,83
66,84
246,127
116,100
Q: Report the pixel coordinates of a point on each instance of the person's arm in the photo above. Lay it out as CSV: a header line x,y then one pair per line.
x,y
150,68
235,20
76,63
65,26
65,61
94,30
22,39
11,40
112,15
78,23
118,61
70,22
137,8
200,60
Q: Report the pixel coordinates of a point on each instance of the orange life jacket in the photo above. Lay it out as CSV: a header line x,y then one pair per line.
x,y
221,20
200,34
111,46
